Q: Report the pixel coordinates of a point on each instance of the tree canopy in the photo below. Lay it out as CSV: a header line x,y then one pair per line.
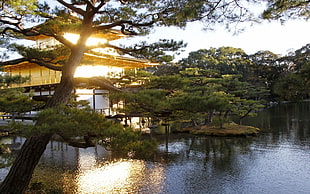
x,y
287,9
200,90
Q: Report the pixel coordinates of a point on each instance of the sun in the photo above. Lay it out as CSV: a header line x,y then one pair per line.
x,y
87,71
73,38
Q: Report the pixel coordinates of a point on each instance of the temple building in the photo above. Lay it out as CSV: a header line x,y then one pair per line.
x,y
97,63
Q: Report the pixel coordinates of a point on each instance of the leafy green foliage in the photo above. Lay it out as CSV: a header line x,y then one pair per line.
x,y
20,7
132,77
70,123
55,54
6,80
293,82
127,141
15,102
291,87
287,9
265,69
171,82
252,79
156,51
225,60
165,69
300,57
64,22
145,102
305,73
195,94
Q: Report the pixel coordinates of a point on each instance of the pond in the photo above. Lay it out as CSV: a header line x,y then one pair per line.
x,y
276,161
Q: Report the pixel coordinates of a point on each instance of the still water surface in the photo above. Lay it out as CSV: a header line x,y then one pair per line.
x,y
276,161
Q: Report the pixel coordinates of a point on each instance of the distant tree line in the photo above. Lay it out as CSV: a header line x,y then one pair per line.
x,y
284,77
216,85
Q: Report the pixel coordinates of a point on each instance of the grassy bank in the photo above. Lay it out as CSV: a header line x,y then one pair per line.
x,y
229,129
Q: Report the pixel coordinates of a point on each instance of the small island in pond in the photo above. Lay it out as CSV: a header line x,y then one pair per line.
x,y
229,129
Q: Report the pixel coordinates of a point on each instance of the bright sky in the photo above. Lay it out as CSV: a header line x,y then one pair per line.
x,y
275,37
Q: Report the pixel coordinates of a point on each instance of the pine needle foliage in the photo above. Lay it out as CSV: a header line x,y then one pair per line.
x,y
86,128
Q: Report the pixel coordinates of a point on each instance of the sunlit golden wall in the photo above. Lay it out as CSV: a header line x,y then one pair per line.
x,y
37,75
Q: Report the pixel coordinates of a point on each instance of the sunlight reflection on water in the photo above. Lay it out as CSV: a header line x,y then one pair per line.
x,y
94,170
123,176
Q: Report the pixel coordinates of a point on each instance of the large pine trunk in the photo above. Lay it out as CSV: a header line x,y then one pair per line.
x,y
21,171
20,174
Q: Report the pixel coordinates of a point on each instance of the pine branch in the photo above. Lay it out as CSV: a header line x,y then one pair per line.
x,y
104,45
39,62
123,50
63,40
86,144
20,30
13,62
122,23
100,5
72,7
2,20
123,1
89,4
49,65
128,51
34,32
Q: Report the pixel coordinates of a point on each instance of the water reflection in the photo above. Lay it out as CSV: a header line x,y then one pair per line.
x,y
276,161
114,177
203,164
289,123
92,170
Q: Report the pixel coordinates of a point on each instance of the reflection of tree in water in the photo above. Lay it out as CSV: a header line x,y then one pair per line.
x,y
182,148
283,122
9,148
6,157
218,147
202,162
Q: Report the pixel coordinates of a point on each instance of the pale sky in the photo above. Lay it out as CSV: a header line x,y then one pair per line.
x,y
277,38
